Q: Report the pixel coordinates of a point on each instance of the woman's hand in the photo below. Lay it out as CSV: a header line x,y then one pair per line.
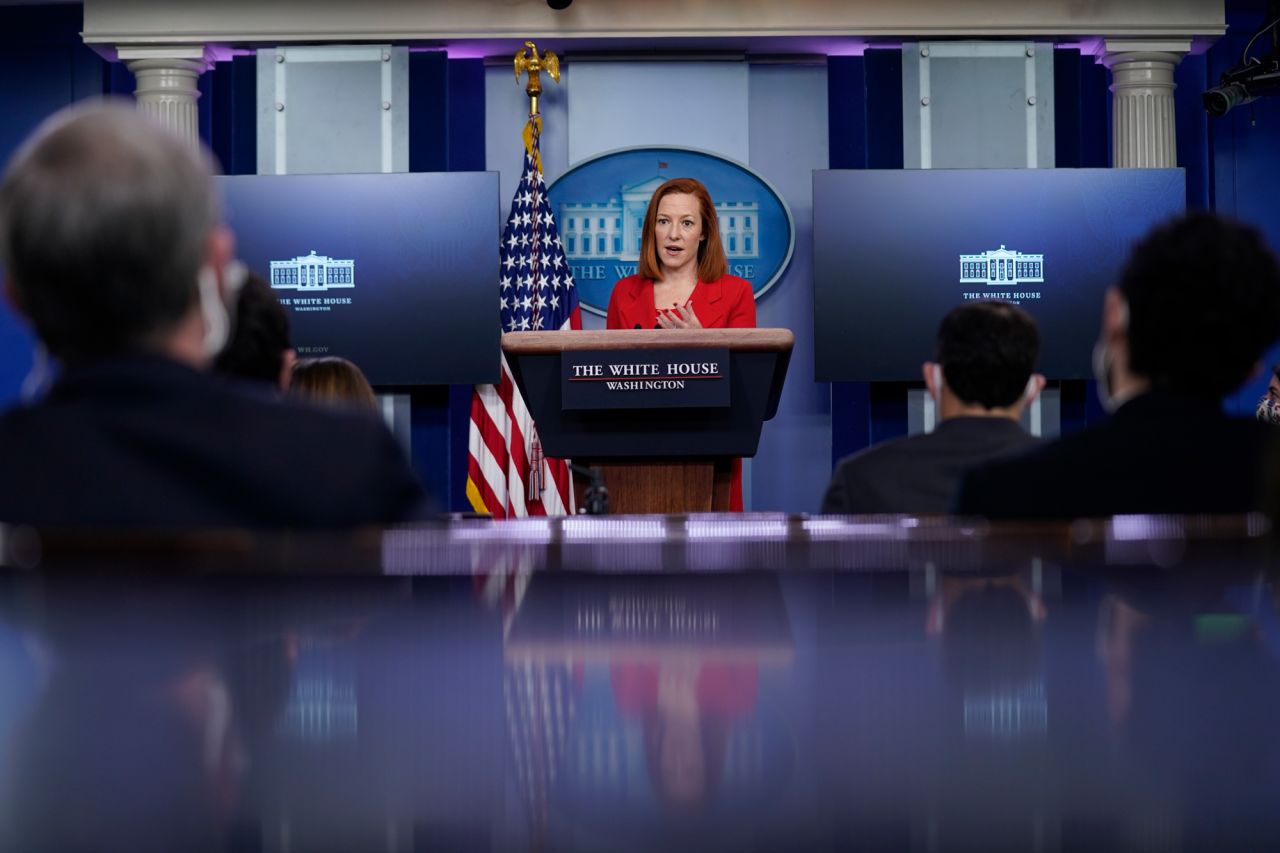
x,y
678,318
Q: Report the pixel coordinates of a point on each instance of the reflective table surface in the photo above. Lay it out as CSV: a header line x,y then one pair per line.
x,y
702,683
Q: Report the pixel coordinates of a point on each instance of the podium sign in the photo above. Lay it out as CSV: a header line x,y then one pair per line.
x,y
645,379
655,451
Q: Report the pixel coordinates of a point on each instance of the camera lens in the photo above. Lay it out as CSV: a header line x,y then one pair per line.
x,y
1222,98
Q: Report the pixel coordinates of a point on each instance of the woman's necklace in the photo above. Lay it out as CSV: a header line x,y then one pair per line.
x,y
671,295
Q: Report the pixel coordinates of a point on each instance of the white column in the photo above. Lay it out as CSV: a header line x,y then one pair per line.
x,y
1142,115
168,77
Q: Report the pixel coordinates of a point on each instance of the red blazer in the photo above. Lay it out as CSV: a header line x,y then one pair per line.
x,y
726,303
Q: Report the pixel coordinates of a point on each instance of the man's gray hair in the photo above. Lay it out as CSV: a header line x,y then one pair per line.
x,y
104,222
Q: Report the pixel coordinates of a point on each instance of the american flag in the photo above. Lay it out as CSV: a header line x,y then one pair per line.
x,y
507,475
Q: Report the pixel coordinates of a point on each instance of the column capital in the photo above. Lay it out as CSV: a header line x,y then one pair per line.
x,y
1111,52
1143,134
168,77
201,55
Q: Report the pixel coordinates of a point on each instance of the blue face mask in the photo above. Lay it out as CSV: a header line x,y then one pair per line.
x,y
1269,410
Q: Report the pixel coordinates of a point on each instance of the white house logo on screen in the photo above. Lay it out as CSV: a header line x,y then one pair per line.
x,y
600,207
1002,268
313,273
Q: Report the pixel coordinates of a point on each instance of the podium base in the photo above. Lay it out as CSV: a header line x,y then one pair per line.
x,y
662,486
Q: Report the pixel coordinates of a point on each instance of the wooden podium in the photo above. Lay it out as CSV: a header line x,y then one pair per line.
x,y
665,456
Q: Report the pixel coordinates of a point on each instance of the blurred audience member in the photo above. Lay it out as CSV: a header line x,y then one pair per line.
x,y
1196,307
981,380
259,349
113,249
1269,405
332,381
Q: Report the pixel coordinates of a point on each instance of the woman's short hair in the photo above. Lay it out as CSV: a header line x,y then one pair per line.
x,y
711,260
332,381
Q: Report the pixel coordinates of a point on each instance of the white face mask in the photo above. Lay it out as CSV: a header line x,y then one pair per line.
x,y
1102,374
40,376
216,309
1102,366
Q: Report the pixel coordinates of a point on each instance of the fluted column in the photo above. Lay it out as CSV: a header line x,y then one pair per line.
x,y
1142,106
168,77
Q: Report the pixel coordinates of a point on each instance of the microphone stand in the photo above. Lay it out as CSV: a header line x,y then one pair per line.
x,y
596,498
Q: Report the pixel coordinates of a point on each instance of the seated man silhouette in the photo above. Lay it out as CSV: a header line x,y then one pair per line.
x,y
1196,308
981,380
113,250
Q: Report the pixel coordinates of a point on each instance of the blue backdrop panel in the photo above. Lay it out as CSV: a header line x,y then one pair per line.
x,y
1081,111
789,139
865,129
417,305
886,273
233,114
846,112
882,98
428,131
465,100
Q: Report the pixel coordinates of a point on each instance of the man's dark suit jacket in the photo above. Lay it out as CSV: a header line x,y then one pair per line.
x,y
144,441
1161,452
919,474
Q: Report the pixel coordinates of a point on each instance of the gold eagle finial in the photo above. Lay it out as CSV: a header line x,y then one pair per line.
x,y
528,60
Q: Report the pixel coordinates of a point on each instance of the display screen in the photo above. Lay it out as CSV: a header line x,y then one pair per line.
x,y
396,272
895,250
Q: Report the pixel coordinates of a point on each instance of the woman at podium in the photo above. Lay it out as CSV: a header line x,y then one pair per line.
x,y
681,281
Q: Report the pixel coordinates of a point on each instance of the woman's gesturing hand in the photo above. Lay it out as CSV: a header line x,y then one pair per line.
x,y
678,318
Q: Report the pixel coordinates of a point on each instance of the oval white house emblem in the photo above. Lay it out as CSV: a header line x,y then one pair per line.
x,y
600,204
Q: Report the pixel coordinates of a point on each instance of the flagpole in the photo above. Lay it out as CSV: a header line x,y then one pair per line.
x,y
528,61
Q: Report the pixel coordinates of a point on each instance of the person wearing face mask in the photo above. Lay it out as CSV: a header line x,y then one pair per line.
x,y
1196,307
981,380
682,279
113,251
1269,405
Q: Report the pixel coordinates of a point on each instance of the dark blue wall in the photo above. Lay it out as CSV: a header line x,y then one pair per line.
x,y
1242,155
44,66
446,133
864,98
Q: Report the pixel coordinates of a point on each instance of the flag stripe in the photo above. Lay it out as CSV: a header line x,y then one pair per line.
x,y
491,481
492,436
487,444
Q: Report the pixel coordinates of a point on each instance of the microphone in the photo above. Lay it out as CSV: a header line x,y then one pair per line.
x,y
596,497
